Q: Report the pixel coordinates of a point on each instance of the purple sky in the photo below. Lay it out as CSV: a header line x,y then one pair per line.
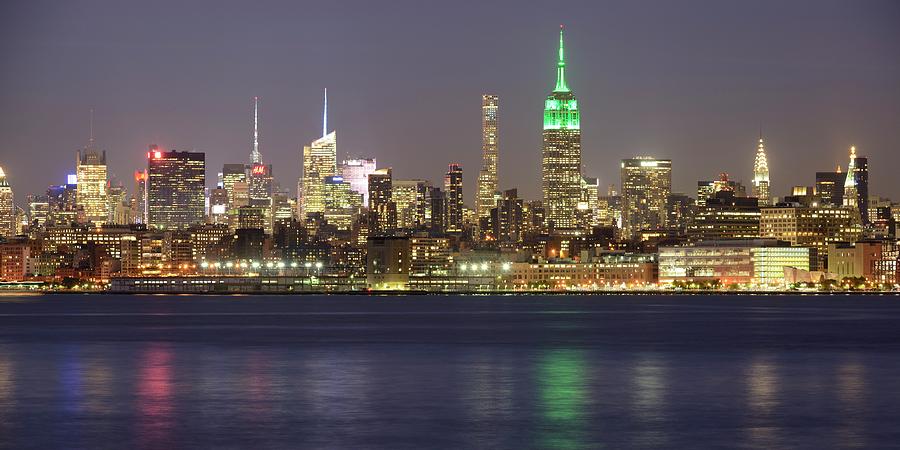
x,y
687,80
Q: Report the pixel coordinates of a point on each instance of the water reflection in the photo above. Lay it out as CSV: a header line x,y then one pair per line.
x,y
154,396
97,384
851,391
763,401
649,389
488,379
258,384
70,380
563,396
7,388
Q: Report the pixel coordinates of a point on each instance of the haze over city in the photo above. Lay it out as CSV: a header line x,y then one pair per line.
x,y
691,81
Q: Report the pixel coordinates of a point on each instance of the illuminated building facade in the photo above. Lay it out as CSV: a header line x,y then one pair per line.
x,y
830,187
260,189
411,198
487,178
91,194
7,208
140,196
507,219
646,185
876,260
561,154
341,203
38,209
761,175
607,272
387,262
319,161
814,227
429,256
356,172
231,175
588,212
218,206
382,209
453,187
750,262
725,216
856,185
176,189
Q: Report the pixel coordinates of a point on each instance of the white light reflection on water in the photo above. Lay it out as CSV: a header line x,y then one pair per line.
x,y
649,387
851,391
761,380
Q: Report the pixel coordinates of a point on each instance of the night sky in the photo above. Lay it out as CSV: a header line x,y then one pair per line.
x,y
687,80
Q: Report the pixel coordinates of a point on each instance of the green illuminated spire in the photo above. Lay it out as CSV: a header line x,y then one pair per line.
x,y
561,67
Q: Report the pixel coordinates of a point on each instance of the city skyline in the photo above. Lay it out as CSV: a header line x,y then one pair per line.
x,y
695,150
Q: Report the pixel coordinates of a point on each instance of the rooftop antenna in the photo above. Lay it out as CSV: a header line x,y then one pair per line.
x,y
325,115
91,139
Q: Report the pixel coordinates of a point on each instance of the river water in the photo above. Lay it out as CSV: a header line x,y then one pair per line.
x,y
423,372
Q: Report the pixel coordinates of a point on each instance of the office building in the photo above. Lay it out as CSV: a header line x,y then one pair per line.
x,y
561,154
507,219
319,161
453,188
761,175
176,187
233,174
356,172
725,216
856,185
387,262
646,185
411,198
808,226
91,195
830,187
7,208
487,177
747,262
382,209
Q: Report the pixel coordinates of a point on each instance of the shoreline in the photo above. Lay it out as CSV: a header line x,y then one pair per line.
x,y
483,294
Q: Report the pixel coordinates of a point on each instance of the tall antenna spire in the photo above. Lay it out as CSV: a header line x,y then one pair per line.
x,y
255,157
561,66
325,115
91,139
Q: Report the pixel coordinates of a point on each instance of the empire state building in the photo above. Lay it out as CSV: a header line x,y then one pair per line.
x,y
561,154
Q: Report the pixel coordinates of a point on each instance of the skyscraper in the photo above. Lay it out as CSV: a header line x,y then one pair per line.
x,y
382,209
761,175
856,185
453,186
90,170
410,196
140,196
261,182
830,187
356,172
176,184
255,157
231,175
7,208
646,185
561,155
319,161
487,178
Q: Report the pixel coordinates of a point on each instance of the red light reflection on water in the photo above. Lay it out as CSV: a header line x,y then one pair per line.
x,y
154,396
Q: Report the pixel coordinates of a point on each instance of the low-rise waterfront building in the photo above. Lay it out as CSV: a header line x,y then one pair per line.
x,y
753,262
